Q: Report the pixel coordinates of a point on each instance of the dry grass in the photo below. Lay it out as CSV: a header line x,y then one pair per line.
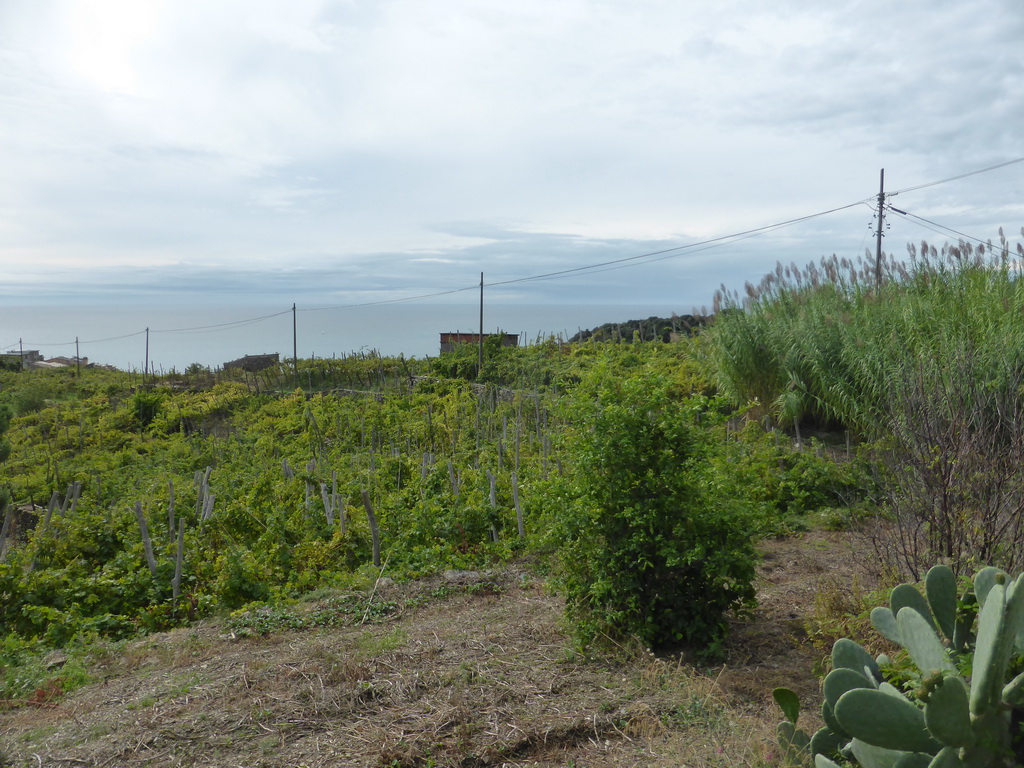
x,y
473,680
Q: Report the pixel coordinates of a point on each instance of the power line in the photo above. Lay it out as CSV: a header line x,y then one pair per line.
x,y
958,177
232,324
706,245
936,227
674,251
84,341
598,267
392,301
613,264
196,329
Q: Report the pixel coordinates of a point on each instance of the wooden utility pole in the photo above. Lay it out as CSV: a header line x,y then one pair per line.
x,y
78,360
295,344
480,351
878,232
146,375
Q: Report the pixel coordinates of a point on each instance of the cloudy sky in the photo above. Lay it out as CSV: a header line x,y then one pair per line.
x,y
352,150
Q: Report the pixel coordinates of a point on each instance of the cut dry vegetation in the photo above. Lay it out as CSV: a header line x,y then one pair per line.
x,y
470,669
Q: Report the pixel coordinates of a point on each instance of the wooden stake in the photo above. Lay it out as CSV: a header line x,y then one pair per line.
x,y
170,510
453,475
150,559
374,530
519,509
178,561
494,502
54,502
8,518
328,505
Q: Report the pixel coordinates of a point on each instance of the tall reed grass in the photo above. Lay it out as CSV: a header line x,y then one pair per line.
x,y
824,343
929,360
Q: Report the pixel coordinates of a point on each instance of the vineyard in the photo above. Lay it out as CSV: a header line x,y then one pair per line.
x,y
637,481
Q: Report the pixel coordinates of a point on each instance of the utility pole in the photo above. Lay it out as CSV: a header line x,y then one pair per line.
x,y
480,351
78,361
295,344
146,376
878,232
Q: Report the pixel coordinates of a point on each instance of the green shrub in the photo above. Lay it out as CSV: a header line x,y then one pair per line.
x,y
657,545
144,406
30,397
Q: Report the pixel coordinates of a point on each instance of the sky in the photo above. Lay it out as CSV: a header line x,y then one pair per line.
x,y
344,152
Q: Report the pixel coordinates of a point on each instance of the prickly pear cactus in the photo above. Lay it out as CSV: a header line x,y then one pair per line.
x,y
964,707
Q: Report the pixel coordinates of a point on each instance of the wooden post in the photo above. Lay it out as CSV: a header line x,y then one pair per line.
x,y
76,491
170,510
54,502
310,469
150,559
430,426
295,344
342,516
8,519
338,503
453,476
494,503
374,530
480,352
518,439
208,502
328,505
878,232
178,561
519,509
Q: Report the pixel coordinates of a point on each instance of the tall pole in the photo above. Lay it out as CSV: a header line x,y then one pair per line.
x,y
21,354
480,351
147,353
295,344
78,361
878,232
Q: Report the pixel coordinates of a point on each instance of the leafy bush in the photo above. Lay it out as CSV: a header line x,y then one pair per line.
x,y
657,545
31,397
144,406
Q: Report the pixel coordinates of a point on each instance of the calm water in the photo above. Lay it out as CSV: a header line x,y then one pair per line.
x,y
211,336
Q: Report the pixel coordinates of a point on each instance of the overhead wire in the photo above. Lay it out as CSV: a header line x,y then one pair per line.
x,y
665,253
597,268
674,250
957,177
935,226
392,301
941,229
706,245
234,324
85,341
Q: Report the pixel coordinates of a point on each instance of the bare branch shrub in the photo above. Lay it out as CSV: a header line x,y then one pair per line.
x,y
954,484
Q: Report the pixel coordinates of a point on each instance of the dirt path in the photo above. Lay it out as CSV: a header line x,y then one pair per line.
x,y
478,674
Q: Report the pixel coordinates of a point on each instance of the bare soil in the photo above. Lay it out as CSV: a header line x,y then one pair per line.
x,y
479,674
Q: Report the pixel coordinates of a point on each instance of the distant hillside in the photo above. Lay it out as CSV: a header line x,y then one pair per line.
x,y
651,329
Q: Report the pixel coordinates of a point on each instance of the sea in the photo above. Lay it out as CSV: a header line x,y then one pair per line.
x,y
170,338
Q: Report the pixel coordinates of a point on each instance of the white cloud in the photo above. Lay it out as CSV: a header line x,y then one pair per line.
x,y
249,135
